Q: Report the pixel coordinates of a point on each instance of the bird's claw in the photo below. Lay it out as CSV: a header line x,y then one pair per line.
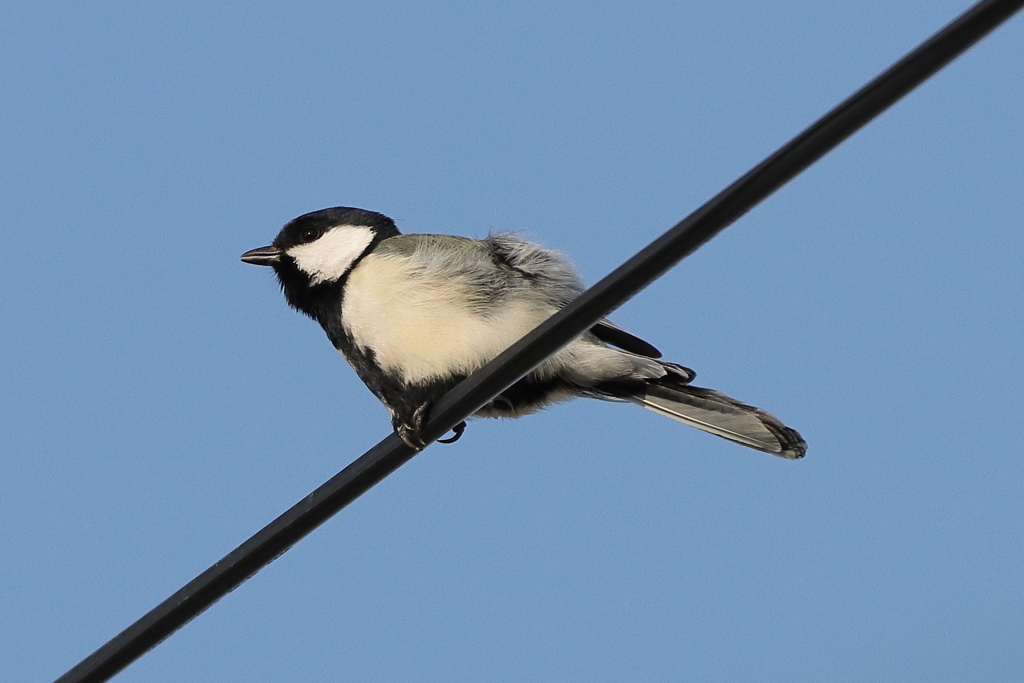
x,y
458,430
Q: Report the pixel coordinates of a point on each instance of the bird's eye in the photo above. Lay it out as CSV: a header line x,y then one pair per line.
x,y
310,234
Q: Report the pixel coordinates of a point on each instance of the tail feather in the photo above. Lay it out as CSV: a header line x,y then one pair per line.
x,y
716,413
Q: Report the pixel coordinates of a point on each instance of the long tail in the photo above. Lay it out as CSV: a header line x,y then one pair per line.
x,y
714,412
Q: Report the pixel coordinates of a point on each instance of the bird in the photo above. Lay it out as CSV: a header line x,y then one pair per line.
x,y
415,314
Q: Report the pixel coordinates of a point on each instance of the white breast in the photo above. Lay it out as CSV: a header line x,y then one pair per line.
x,y
418,325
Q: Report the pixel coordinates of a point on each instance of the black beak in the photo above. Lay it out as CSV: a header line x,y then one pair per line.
x,y
264,256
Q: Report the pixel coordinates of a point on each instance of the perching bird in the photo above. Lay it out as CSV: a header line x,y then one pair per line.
x,y
416,314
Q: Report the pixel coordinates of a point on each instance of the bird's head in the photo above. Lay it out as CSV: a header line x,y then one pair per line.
x,y
313,253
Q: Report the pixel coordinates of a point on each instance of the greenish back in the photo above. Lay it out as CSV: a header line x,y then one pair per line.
x,y
405,245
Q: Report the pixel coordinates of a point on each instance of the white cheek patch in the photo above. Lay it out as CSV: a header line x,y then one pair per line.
x,y
330,257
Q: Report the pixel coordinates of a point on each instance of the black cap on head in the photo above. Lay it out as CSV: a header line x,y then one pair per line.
x,y
309,226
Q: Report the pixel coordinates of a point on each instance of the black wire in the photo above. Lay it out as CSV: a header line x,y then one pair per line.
x,y
597,302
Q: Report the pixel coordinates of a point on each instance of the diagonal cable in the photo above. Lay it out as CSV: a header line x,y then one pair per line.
x,y
597,302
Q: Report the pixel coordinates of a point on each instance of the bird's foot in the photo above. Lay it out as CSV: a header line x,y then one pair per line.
x,y
411,437
410,432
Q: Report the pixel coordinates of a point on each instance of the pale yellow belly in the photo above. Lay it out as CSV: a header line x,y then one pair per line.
x,y
418,326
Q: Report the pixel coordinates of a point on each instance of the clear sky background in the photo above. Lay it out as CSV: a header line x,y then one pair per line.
x,y
159,402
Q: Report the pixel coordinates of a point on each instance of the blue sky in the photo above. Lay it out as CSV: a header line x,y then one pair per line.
x,y
161,403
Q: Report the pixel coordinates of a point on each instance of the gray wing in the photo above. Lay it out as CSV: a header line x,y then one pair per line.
x,y
537,263
547,269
